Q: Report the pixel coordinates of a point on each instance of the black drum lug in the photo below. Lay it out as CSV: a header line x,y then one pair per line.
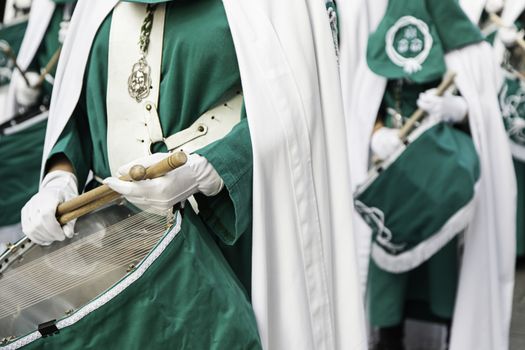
x,y
48,328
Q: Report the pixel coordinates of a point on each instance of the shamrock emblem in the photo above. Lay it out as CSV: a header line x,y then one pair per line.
x,y
408,43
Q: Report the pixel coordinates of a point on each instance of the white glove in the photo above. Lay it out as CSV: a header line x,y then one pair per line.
x,y
162,193
448,108
38,215
27,96
62,32
23,4
385,141
509,35
494,6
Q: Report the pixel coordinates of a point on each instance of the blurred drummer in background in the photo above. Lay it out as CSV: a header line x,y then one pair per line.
x,y
23,117
502,23
413,44
14,15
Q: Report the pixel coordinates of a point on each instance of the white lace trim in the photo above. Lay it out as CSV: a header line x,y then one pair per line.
x,y
517,150
414,257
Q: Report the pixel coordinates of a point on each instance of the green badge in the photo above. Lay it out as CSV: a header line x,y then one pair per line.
x,y
408,43
411,40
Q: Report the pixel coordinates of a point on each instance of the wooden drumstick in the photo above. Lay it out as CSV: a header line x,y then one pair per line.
x,y
88,208
138,172
100,196
497,20
447,81
48,68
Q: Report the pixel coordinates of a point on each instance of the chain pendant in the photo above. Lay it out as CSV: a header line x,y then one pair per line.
x,y
139,81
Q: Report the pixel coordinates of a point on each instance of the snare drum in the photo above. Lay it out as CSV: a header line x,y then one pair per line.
x,y
421,197
128,279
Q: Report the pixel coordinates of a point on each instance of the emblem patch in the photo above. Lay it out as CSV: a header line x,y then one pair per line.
x,y
408,43
512,102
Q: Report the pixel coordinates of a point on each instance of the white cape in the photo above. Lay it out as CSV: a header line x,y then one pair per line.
x,y
39,17
357,20
473,9
305,289
483,306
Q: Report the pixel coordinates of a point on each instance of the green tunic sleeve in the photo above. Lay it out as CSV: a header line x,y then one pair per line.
x,y
229,214
75,143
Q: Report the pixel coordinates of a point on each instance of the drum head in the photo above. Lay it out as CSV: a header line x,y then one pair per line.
x,y
50,282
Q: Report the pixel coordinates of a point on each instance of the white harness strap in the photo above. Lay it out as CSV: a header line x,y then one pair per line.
x,y
211,126
131,124
134,126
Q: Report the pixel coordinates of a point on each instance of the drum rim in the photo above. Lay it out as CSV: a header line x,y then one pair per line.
x,y
110,293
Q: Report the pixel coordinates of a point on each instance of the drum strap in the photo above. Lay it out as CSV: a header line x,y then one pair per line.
x,y
130,122
134,126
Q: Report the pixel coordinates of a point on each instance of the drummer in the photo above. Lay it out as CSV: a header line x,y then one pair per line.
x,y
512,98
23,119
190,61
412,47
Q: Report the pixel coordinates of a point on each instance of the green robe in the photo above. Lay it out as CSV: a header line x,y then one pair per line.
x,y
20,171
427,292
199,69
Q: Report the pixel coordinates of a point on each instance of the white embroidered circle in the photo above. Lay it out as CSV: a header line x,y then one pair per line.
x,y
409,43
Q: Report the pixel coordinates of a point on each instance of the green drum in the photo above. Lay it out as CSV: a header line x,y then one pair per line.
x,y
421,197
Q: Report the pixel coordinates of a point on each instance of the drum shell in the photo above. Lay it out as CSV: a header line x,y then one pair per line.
x,y
432,180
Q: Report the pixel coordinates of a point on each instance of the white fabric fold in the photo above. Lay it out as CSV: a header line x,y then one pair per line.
x,y
473,9
358,19
304,288
86,19
484,301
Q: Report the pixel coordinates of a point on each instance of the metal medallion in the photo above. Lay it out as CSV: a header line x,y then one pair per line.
x,y
139,82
